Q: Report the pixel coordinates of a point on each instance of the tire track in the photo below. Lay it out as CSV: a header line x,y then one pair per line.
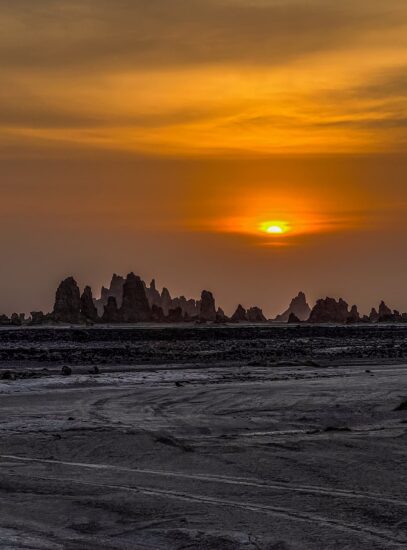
x,y
228,480
276,511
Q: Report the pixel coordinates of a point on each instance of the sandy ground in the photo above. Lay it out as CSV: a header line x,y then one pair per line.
x,y
206,455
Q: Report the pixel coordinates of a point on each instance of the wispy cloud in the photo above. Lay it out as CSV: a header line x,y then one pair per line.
x,y
194,77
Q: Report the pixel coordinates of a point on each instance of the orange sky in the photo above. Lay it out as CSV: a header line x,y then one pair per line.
x,y
165,137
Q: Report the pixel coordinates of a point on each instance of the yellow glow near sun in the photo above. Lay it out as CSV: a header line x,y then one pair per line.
x,y
274,228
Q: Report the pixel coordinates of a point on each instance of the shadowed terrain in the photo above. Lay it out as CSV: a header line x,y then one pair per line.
x,y
203,437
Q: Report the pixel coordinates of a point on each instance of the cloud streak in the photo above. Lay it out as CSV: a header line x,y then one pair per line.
x,y
203,77
89,34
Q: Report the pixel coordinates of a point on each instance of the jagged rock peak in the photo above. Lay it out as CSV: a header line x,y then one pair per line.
x,y
374,316
354,316
115,289
239,315
221,317
386,315
207,307
384,310
298,306
255,315
166,300
88,308
135,307
154,297
67,307
329,310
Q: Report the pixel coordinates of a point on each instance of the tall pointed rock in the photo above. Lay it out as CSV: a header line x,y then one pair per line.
x,y
299,307
135,307
67,307
88,308
207,307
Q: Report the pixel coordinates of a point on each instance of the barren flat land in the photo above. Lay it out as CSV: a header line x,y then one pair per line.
x,y
244,437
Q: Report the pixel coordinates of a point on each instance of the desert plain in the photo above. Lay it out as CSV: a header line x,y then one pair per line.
x,y
206,437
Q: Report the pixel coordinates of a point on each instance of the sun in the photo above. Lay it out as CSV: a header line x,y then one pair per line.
x,y
274,228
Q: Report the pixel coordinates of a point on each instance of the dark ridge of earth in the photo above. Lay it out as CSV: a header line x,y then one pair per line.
x,y
157,345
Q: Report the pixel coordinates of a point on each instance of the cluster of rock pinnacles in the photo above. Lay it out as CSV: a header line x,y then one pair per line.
x,y
130,300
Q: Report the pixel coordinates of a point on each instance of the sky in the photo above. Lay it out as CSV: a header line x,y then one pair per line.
x,y
254,148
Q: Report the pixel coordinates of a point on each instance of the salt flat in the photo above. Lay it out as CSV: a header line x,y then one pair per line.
x,y
252,439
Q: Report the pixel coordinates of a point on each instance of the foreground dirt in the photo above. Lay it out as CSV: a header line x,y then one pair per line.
x,y
205,438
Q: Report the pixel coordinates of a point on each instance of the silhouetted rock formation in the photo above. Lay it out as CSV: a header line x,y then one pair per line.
x,y
88,308
166,300
111,312
299,307
4,320
15,320
385,314
157,314
384,310
354,316
153,296
135,307
221,317
189,307
329,311
115,289
398,318
37,318
142,303
374,316
255,315
293,319
240,315
67,306
175,315
207,308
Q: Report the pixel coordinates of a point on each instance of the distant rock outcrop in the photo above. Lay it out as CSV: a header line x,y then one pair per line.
x,y
88,308
221,317
162,300
175,315
299,307
398,317
37,318
135,307
255,315
385,314
111,312
115,289
153,296
293,319
354,316
157,314
67,308
207,307
189,307
374,316
166,300
240,315
329,310
16,320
